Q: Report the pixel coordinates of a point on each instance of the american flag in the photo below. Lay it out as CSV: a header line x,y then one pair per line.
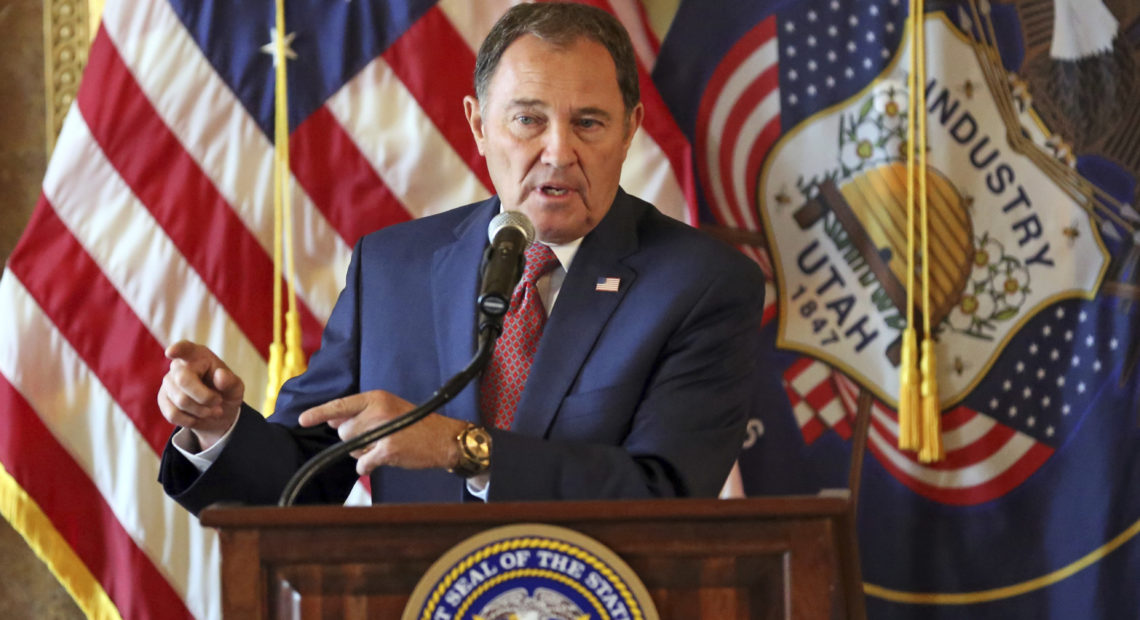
x,y
608,285
156,224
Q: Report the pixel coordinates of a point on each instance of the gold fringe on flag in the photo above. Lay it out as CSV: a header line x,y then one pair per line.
x,y
920,414
26,516
286,359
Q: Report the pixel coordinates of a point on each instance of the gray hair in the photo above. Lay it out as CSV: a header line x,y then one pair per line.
x,y
560,23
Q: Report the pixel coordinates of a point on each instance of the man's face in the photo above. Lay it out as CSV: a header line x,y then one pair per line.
x,y
555,133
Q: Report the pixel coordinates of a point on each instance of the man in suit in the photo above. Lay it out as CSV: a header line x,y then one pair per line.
x,y
639,384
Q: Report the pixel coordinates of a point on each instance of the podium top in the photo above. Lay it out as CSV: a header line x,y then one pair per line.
x,y
774,507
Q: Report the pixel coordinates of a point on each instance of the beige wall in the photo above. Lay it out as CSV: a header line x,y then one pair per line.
x,y
27,588
22,140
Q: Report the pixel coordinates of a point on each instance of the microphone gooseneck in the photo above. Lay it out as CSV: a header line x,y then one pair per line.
x,y
510,233
320,461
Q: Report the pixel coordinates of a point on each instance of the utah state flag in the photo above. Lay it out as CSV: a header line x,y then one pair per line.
x,y
797,113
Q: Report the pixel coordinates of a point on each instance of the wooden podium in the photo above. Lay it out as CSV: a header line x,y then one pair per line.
x,y
772,557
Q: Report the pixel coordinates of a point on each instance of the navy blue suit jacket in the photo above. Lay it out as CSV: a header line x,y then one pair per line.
x,y
640,393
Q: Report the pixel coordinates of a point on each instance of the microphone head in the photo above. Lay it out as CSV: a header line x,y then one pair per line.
x,y
511,219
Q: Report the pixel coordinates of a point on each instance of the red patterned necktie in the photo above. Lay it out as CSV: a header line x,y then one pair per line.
x,y
505,375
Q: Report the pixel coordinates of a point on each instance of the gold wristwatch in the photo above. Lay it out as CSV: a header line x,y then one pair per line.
x,y
474,444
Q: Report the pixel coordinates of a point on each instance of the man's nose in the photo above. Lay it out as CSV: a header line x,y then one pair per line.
x,y
559,146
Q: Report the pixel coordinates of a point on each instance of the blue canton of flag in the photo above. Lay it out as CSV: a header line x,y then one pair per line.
x,y
829,50
1049,374
232,36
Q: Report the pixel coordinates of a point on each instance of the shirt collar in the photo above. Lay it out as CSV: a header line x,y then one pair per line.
x,y
564,252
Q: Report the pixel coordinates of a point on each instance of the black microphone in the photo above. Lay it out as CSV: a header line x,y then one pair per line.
x,y
510,233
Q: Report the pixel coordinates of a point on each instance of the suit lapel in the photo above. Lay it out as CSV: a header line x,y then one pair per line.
x,y
455,285
579,315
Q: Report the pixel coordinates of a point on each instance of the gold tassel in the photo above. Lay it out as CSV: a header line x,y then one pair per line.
x,y
294,354
273,384
909,391
931,450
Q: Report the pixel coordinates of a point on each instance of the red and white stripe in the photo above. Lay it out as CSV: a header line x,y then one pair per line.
x,y
984,458
156,225
738,122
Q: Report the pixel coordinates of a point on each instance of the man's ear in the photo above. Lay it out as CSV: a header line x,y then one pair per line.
x,y
475,120
633,122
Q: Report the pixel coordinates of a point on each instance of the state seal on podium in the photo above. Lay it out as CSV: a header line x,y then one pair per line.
x,y
529,571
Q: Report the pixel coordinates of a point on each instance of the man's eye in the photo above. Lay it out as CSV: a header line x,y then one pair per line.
x,y
525,120
588,123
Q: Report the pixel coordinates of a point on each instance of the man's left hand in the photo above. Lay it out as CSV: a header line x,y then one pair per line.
x,y
429,443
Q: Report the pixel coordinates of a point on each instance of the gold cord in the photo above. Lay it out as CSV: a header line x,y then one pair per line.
x,y
920,414
286,359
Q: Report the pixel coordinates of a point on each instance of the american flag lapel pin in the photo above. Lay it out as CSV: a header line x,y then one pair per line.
x,y
608,285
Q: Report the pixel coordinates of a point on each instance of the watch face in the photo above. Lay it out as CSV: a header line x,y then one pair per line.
x,y
474,452
477,443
